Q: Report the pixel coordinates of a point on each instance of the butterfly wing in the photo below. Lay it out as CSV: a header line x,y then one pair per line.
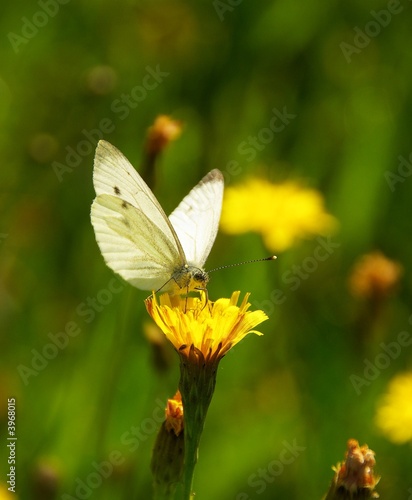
x,y
196,219
134,234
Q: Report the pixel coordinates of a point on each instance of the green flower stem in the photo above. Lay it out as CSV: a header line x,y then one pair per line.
x,y
197,384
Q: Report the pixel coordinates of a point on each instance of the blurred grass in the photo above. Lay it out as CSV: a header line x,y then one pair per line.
x,y
352,122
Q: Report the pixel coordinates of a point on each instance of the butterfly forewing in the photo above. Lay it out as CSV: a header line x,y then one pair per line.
x,y
114,175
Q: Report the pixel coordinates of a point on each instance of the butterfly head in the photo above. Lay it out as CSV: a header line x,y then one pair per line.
x,y
188,278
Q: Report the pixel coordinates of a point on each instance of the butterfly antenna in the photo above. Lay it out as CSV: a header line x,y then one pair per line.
x,y
272,257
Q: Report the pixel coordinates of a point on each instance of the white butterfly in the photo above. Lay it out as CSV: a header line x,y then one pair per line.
x,y
138,241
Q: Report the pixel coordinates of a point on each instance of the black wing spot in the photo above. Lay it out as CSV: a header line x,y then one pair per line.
x,y
125,205
117,190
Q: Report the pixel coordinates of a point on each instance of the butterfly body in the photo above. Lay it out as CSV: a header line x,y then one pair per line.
x,y
138,241
190,278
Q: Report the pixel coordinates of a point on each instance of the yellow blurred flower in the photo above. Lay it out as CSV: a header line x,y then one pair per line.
x,y
394,413
163,131
5,494
374,275
206,330
281,213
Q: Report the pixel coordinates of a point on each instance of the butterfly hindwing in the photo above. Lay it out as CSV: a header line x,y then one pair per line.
x,y
131,245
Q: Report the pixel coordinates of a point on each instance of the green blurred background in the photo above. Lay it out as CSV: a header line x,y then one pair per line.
x,y
226,66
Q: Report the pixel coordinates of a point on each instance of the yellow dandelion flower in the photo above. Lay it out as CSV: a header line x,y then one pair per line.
x,y
394,413
207,331
281,213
